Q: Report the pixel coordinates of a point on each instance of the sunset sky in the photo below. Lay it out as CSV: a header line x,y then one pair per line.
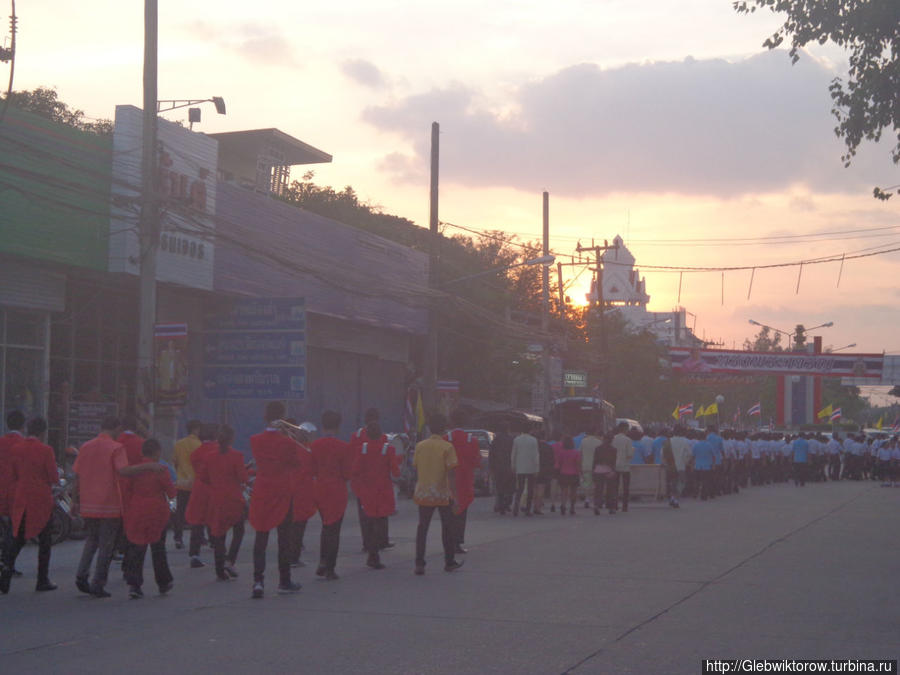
x,y
655,120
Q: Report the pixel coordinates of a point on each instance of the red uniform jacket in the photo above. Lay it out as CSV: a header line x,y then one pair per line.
x,y
6,482
373,464
303,485
133,447
146,505
226,476
468,454
198,505
33,474
332,461
276,457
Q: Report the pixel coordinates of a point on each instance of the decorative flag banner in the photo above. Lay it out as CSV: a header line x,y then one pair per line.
x,y
701,412
835,415
879,423
686,410
677,413
755,410
896,425
712,409
696,361
825,413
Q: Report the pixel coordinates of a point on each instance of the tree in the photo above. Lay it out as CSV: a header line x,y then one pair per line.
x,y
764,341
45,102
867,103
895,390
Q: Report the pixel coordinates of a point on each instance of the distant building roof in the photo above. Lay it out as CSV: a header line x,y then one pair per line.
x,y
255,141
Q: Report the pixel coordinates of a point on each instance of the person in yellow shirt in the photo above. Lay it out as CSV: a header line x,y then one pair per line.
x,y
435,461
184,481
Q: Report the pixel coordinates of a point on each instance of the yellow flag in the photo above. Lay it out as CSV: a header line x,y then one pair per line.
x,y
675,412
712,409
420,414
825,413
700,411
880,423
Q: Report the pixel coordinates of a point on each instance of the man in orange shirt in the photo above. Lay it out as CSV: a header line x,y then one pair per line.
x,y
96,496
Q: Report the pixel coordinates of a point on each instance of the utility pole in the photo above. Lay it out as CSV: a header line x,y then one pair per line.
x,y
598,253
149,226
431,348
545,305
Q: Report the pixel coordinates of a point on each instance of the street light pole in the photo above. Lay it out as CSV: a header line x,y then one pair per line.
x,y
149,225
545,304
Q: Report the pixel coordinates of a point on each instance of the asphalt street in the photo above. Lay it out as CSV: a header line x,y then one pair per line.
x,y
774,572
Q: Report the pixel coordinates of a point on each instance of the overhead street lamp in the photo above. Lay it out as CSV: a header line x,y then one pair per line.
x,y
850,346
799,334
193,113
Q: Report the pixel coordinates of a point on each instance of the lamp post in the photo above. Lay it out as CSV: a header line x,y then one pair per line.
x,y
850,346
799,334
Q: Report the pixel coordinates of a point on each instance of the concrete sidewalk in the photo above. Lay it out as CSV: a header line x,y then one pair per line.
x,y
774,572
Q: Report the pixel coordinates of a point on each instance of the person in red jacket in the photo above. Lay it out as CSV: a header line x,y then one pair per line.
x,y
332,461
198,504
33,475
131,440
15,422
271,507
372,414
374,462
468,454
302,492
145,500
226,475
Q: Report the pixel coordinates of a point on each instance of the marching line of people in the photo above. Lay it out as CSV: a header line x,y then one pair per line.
x,y
593,466
123,490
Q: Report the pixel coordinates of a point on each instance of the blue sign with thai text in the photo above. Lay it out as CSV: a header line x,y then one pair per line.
x,y
272,382
256,349
259,348
260,314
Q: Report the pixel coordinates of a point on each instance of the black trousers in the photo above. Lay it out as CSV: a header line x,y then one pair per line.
x,y
285,549
374,533
102,535
447,534
799,473
218,543
182,497
605,491
505,485
6,536
297,539
133,564
383,542
459,526
704,483
523,481
329,543
15,545
623,481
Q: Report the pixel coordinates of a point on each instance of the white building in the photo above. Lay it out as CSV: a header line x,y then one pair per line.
x,y
625,293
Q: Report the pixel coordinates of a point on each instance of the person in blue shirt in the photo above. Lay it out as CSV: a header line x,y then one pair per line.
x,y
639,449
704,459
800,446
658,443
718,446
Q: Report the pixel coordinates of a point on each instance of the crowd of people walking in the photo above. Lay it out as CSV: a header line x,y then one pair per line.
x,y
129,498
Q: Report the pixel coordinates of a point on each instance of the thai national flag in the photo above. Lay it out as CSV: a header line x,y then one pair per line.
x,y
755,410
835,415
686,410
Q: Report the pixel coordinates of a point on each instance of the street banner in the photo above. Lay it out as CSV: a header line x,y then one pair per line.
x,y
171,352
704,363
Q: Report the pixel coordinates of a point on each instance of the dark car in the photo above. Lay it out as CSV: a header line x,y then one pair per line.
x,y
483,485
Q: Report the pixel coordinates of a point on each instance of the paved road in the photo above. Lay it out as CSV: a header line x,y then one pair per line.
x,y
775,572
